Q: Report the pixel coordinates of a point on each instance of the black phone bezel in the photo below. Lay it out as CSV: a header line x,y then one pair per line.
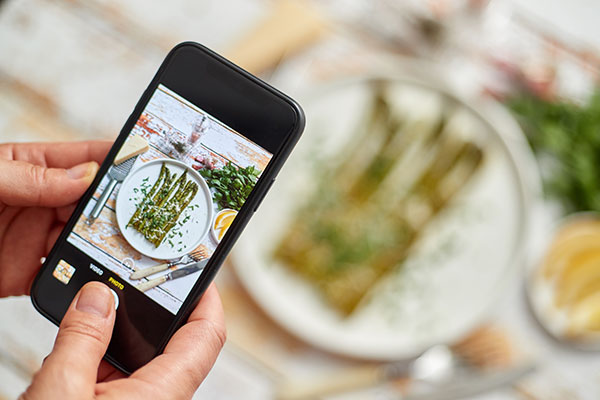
x,y
187,70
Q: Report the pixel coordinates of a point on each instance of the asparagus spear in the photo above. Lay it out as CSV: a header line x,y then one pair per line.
x,y
165,214
160,209
158,214
182,203
158,196
144,204
325,243
436,188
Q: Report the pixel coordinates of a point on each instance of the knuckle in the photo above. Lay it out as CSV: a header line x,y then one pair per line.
x,y
37,174
218,332
48,381
198,363
82,329
45,380
214,333
37,177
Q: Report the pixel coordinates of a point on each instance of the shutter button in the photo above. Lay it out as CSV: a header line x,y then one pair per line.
x,y
116,296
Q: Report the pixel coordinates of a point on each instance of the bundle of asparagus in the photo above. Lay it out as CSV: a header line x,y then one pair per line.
x,y
159,210
368,211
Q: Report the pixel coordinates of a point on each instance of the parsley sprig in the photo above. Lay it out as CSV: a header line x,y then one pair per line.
x,y
232,185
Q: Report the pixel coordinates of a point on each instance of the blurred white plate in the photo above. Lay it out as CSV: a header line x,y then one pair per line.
x,y
460,264
193,230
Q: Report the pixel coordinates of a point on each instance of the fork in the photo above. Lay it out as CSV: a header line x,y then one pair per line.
x,y
194,256
116,174
487,350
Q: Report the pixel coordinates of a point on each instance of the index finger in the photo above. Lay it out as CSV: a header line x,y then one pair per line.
x,y
57,155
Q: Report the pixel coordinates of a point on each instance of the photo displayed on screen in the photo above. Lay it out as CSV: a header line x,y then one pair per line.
x,y
167,200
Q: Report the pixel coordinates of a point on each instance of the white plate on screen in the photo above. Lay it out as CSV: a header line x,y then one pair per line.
x,y
436,299
199,211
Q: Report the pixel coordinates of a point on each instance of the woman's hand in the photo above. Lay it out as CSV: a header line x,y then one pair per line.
x,y
39,185
74,369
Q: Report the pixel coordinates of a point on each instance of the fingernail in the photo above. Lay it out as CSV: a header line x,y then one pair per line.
x,y
83,170
95,299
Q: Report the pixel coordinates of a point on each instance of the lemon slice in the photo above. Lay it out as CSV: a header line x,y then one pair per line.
x,y
577,276
223,221
571,273
585,316
589,289
565,252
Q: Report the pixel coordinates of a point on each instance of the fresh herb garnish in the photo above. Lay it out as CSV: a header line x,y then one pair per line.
x,y
157,214
232,185
566,138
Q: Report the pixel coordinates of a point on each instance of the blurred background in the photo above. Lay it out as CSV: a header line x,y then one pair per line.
x,y
434,236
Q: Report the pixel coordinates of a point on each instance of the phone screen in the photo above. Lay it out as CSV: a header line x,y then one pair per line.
x,y
165,203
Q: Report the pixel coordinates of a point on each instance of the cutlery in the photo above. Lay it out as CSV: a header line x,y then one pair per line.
x,y
488,349
476,383
187,259
434,364
437,376
116,173
178,273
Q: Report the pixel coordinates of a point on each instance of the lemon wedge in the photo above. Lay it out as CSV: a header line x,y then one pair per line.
x,y
563,251
585,316
571,270
223,221
583,270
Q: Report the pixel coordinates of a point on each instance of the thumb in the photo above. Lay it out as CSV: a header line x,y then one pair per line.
x,y
70,371
25,184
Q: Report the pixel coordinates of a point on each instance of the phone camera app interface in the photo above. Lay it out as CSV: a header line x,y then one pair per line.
x,y
167,200
63,272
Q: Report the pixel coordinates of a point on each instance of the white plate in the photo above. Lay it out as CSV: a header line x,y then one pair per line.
x,y
194,230
435,299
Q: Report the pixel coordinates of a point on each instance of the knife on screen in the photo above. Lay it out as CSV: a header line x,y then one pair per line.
x,y
178,273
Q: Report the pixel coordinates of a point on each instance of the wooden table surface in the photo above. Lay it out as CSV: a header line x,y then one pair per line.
x,y
74,70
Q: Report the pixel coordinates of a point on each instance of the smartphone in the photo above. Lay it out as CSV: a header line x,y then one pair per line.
x,y
189,168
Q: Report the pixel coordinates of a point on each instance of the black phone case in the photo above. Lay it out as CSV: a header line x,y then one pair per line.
x,y
250,205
